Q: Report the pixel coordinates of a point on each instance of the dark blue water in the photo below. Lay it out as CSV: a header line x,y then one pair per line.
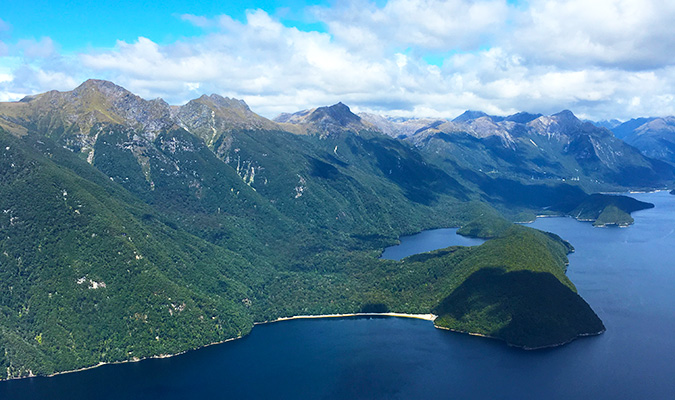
x,y
432,239
627,275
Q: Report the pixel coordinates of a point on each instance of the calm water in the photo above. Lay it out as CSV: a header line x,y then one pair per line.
x,y
432,239
627,275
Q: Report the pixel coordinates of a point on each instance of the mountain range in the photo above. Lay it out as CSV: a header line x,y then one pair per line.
x,y
533,147
654,137
132,228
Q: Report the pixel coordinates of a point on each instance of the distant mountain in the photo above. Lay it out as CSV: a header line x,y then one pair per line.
x,y
469,115
397,127
522,117
628,127
607,124
324,121
556,148
654,137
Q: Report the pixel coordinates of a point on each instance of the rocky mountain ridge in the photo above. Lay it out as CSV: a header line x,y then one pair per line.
x,y
559,147
654,137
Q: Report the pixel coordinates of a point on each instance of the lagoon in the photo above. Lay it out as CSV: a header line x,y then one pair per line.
x,y
428,240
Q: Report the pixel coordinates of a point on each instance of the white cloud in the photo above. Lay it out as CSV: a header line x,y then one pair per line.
x,y
631,34
258,57
604,59
32,48
425,24
198,20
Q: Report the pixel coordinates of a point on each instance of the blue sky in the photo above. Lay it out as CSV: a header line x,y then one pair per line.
x,y
601,59
78,24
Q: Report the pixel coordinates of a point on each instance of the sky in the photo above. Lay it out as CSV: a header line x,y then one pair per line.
x,y
602,59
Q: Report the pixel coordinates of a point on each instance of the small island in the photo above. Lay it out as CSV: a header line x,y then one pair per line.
x,y
607,210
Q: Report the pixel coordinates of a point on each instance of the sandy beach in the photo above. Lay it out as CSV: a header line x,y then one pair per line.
x,y
428,317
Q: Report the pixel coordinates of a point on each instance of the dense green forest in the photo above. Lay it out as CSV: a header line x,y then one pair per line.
x,y
121,240
91,273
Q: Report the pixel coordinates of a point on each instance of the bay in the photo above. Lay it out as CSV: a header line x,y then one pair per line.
x,y
626,274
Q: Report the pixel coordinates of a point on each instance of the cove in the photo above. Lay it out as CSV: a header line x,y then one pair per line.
x,y
429,240
626,274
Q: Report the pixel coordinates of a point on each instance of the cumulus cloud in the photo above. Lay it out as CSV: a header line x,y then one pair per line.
x,y
630,34
605,59
425,24
259,57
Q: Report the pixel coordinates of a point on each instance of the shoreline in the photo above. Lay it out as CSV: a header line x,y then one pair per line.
x,y
133,360
526,348
426,317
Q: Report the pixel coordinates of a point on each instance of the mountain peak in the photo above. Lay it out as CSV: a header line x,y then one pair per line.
x,y
566,115
99,85
469,115
522,117
338,114
326,120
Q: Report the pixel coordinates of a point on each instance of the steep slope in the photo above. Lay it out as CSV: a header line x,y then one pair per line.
x,y
329,178
69,117
503,293
90,274
654,137
545,149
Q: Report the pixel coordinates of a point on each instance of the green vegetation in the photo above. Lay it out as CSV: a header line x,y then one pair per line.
x,y
526,309
128,239
101,271
487,226
612,215
516,290
606,210
91,275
